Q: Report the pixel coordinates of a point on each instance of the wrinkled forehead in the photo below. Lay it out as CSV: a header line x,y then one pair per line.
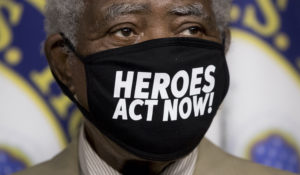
x,y
114,8
101,12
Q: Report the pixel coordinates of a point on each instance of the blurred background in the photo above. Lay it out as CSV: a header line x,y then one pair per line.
x,y
259,120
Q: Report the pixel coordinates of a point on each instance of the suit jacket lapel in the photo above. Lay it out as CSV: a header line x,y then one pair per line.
x,y
67,163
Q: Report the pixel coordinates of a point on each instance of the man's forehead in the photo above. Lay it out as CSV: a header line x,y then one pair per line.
x,y
103,14
110,9
118,9
145,5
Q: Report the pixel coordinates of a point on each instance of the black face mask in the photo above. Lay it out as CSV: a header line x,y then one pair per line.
x,y
158,98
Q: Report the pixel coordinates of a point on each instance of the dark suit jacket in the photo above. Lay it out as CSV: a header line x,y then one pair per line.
x,y
211,161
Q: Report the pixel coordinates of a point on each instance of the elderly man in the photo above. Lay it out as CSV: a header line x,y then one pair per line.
x,y
149,76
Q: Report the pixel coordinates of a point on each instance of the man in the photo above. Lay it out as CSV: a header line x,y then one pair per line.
x,y
149,76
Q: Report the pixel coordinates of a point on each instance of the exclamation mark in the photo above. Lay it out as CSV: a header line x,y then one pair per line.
x,y
211,100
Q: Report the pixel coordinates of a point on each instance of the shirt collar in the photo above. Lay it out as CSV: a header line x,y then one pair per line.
x,y
92,164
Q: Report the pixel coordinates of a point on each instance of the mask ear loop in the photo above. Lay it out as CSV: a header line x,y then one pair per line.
x,y
68,43
71,46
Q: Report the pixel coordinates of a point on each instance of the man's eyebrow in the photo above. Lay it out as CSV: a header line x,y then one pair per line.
x,y
195,9
117,10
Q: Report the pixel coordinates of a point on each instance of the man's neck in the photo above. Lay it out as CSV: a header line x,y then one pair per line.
x,y
118,158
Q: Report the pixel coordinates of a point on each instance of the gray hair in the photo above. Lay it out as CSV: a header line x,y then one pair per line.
x,y
64,15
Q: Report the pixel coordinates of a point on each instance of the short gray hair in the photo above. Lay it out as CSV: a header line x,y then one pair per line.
x,y
64,15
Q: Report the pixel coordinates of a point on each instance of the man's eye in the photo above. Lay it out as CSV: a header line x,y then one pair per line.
x,y
124,32
192,31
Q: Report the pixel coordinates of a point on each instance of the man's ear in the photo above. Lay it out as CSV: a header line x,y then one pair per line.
x,y
227,35
57,57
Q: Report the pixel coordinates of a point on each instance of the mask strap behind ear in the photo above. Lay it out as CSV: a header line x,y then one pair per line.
x,y
63,87
71,46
